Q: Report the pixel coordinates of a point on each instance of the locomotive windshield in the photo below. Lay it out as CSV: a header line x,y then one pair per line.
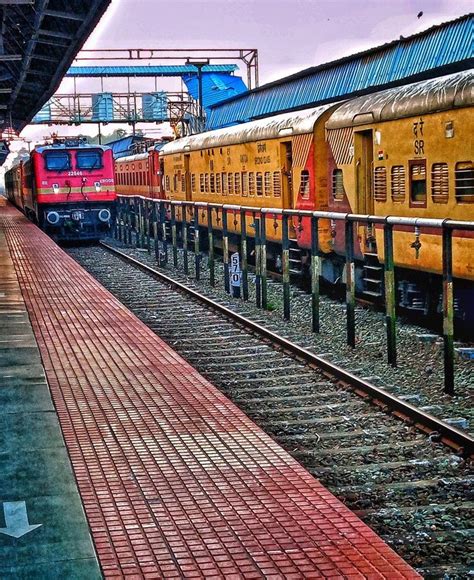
x,y
57,160
89,159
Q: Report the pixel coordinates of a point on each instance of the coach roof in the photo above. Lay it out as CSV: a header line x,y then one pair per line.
x,y
448,92
287,124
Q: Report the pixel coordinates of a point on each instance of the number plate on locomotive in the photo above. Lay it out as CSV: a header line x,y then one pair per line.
x,y
77,215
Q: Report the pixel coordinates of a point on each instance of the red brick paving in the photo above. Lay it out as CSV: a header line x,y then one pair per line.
x,y
175,480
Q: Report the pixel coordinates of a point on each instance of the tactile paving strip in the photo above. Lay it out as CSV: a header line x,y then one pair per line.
x,y
175,480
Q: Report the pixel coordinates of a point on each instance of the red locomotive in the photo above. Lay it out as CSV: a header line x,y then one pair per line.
x,y
67,188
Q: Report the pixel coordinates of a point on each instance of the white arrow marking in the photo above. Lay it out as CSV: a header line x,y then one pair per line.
x,y
16,519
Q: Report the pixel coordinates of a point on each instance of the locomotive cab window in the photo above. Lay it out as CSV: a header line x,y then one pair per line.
x,y
418,182
57,160
464,176
89,159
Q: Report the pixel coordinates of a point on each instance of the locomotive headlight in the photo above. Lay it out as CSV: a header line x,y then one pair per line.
x,y
55,187
104,215
52,217
98,186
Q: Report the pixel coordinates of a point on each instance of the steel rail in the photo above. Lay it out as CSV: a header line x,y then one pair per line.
x,y
451,436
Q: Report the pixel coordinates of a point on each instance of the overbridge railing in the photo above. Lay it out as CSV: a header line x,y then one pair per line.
x,y
159,224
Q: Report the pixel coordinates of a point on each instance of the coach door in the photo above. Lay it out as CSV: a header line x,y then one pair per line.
x,y
363,152
286,156
187,177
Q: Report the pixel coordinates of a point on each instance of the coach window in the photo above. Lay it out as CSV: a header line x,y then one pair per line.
x,y
89,159
304,184
439,183
224,184
267,183
237,183
193,182
252,183
277,184
397,183
418,182
212,179
201,182
464,177
338,190
245,183
206,182
230,183
57,160
259,182
167,183
183,182
380,184
218,183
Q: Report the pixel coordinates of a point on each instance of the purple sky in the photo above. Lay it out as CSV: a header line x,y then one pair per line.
x,y
290,35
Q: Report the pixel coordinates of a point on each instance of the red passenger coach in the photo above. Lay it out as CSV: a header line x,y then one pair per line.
x,y
67,188
140,174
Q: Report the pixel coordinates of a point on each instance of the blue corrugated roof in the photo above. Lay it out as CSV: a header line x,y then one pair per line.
x,y
439,50
146,71
122,147
215,87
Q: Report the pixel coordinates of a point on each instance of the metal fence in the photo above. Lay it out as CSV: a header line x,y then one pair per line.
x,y
156,225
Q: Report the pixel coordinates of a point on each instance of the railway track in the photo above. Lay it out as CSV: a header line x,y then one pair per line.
x,y
398,475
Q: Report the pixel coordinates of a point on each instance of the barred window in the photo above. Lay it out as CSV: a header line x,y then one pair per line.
x,y
439,182
464,177
183,182
230,183
268,183
212,183
251,183
259,181
206,182
277,184
338,185
237,184
193,182
418,182
167,183
175,182
380,184
397,183
304,184
224,184
245,183
218,183
201,182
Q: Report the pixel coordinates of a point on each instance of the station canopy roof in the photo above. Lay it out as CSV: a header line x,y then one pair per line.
x,y
147,71
38,42
439,50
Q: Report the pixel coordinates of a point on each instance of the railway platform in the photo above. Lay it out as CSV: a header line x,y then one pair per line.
x,y
174,479
43,527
